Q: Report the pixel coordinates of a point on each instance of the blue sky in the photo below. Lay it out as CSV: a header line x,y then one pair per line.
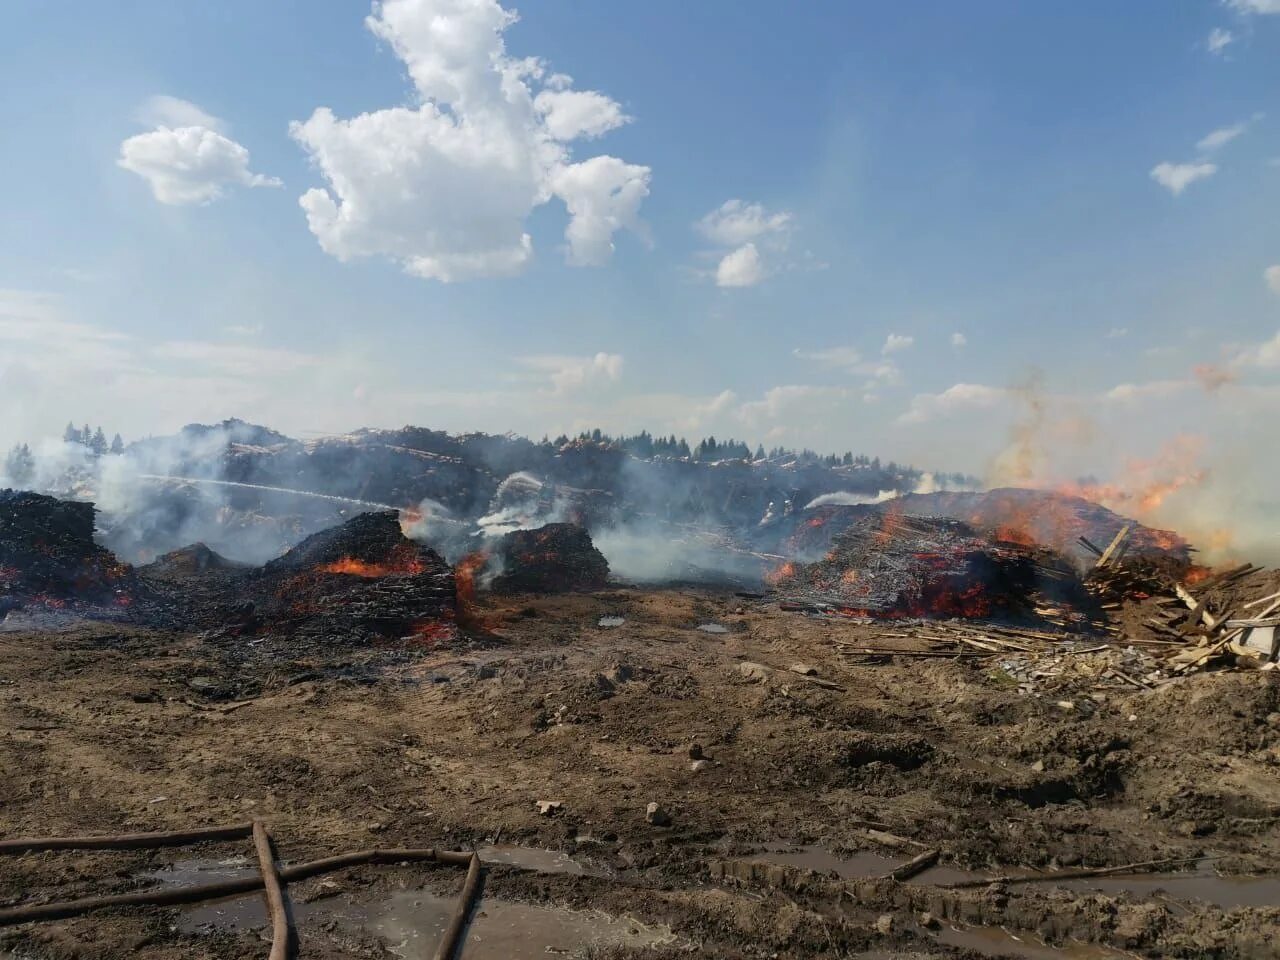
x,y
968,222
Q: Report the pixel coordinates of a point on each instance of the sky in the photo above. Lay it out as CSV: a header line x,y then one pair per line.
x,y
1033,242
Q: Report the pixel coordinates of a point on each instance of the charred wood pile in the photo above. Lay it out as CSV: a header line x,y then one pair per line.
x,y
48,556
356,583
556,558
1069,525
889,564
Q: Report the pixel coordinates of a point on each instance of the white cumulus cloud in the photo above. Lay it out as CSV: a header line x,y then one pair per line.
x,y
189,164
744,232
896,342
959,340
1272,277
445,185
1262,7
740,268
956,398
736,222
1176,177
568,373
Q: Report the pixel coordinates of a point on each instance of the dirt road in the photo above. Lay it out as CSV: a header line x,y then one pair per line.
x,y
763,773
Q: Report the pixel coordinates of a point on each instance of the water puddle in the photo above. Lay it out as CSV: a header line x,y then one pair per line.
x,y
541,861
1202,884
611,621
1223,891
413,921
998,942
858,866
713,628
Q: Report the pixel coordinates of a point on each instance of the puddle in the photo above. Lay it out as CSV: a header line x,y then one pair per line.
x,y
1223,891
859,866
713,628
541,861
413,921
611,621
998,942
186,873
1200,884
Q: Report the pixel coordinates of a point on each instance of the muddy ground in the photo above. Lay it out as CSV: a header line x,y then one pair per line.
x,y
106,729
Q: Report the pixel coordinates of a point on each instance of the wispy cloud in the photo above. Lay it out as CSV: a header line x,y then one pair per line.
x,y
1218,40
1176,177
1220,137
744,233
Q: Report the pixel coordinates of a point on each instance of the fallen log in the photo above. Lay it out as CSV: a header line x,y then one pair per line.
x,y
449,945
127,841
281,929
168,896
914,866
1147,866
855,650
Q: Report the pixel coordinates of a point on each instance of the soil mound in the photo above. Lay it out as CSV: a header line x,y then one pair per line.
x,y
557,558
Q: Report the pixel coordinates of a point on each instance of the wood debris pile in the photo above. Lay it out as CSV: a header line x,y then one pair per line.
x,y
1159,629
893,565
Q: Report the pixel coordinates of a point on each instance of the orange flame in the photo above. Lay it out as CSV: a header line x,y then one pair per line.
x,y
360,568
785,572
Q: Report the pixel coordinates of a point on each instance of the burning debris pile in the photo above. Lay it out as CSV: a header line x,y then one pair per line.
x,y
48,556
895,565
557,558
1069,525
193,561
355,583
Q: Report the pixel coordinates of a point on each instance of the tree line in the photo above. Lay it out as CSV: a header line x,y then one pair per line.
x,y
645,445
95,440
20,462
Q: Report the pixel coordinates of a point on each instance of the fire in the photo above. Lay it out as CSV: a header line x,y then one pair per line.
x,y
850,576
889,525
404,563
1014,533
1197,574
465,576
432,633
785,572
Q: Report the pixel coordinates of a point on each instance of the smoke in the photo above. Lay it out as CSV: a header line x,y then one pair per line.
x,y
929,483
656,553
162,494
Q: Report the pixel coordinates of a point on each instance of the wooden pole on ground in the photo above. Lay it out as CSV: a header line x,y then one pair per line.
x,y
449,945
169,896
127,841
281,929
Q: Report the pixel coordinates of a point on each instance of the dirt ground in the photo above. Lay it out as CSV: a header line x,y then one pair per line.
x,y
105,729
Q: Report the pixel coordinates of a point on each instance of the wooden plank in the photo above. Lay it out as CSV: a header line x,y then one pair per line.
x,y
1115,543
1089,545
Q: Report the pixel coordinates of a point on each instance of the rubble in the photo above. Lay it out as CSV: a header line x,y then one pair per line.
x,y
897,565
358,582
48,556
656,815
556,558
